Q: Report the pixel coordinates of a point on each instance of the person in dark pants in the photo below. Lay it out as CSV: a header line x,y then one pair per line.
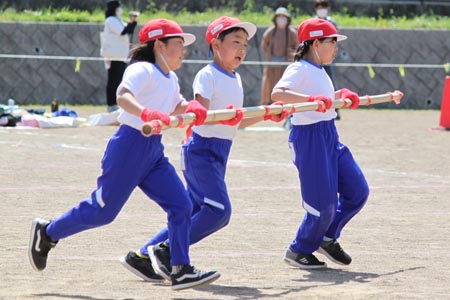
x,y
118,34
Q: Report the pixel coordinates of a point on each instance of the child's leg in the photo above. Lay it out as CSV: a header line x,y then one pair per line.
x,y
165,187
163,235
205,162
353,192
114,186
314,156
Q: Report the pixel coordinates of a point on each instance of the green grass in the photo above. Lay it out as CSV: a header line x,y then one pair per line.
x,y
259,18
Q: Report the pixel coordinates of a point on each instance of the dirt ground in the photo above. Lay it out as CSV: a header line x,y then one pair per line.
x,y
399,242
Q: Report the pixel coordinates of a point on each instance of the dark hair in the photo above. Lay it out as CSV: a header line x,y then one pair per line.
x,y
323,3
225,32
111,7
145,52
303,48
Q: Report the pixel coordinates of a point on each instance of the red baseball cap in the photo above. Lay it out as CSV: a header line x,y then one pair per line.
x,y
161,28
223,23
317,28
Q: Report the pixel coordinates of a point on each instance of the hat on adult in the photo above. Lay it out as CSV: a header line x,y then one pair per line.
x,y
224,23
163,28
282,11
316,28
112,5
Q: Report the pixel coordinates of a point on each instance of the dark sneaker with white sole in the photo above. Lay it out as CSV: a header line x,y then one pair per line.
x,y
303,261
39,245
189,277
333,251
160,258
140,266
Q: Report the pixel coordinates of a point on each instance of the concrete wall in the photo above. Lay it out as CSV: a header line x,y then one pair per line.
x,y
40,81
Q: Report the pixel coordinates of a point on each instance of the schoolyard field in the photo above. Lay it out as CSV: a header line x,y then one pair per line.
x,y
399,242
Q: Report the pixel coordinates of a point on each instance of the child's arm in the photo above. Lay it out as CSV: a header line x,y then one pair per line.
x,y
128,103
250,121
288,96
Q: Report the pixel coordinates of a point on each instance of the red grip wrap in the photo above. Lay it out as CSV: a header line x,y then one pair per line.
x,y
369,100
391,96
293,110
180,121
267,111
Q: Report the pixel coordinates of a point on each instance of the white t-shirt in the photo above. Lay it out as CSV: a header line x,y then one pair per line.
x,y
308,78
222,89
151,88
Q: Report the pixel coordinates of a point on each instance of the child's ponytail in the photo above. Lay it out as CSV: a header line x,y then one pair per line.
x,y
302,50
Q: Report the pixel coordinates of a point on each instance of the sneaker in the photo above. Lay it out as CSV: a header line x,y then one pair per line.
x,y
190,277
334,252
40,244
160,258
140,266
303,261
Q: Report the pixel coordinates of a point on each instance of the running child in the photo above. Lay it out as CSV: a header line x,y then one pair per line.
x,y
149,91
333,186
205,154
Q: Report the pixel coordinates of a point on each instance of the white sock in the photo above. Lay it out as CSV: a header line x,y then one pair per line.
x,y
176,269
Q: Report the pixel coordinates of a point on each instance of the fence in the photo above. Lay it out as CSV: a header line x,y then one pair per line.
x,y
45,61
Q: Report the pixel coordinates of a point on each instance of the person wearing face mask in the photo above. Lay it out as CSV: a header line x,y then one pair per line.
x,y
322,8
117,36
278,45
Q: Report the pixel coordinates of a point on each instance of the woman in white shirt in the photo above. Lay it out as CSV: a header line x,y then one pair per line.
x,y
114,29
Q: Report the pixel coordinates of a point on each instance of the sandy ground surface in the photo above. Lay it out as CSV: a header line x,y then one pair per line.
x,y
399,241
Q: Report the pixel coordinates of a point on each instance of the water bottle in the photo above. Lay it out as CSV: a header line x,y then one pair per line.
x,y
11,103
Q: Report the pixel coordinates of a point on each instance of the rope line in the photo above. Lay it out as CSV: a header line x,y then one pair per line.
x,y
256,63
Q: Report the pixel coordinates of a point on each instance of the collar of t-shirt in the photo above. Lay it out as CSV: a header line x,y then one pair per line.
x,y
222,70
161,71
312,63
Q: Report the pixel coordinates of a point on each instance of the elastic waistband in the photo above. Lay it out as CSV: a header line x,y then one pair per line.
x,y
319,125
212,140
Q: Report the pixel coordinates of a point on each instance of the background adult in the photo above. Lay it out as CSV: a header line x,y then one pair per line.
x,y
117,37
278,44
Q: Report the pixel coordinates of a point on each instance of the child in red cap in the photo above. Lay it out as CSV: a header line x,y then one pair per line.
x,y
149,91
333,186
205,154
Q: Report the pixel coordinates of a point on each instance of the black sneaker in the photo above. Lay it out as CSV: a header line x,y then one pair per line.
x,y
40,244
303,261
140,266
334,252
160,258
190,277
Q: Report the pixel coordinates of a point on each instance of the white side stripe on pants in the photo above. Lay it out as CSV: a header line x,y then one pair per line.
x,y
98,197
311,209
214,203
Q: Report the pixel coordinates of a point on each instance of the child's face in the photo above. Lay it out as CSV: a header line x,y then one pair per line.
x,y
231,52
327,50
174,52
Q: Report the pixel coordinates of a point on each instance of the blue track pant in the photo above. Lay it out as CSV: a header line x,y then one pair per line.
x,y
204,165
132,160
332,185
